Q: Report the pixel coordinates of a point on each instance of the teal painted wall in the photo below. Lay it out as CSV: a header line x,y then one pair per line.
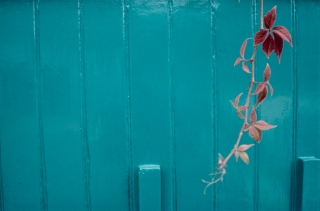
x,y
90,90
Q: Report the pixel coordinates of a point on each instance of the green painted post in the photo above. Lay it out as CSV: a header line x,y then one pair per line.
x,y
149,188
308,184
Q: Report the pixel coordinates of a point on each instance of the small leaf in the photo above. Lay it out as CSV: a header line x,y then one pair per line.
x,y
259,88
241,108
244,147
283,33
278,45
268,46
262,125
236,154
266,73
262,96
244,156
253,116
270,18
243,48
271,89
236,101
255,134
238,61
246,127
245,67
240,114
260,36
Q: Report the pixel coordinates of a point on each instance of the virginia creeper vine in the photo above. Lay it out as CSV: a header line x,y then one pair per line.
x,y
271,39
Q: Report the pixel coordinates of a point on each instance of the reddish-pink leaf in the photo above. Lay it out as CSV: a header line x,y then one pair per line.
x,y
266,73
259,88
238,61
283,33
244,156
255,134
270,18
262,96
278,45
271,89
241,108
268,46
245,67
244,147
243,48
246,127
240,114
236,101
260,36
262,125
253,116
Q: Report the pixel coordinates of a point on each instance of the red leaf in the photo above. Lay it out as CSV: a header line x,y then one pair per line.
x,y
271,89
238,61
240,114
266,73
259,89
268,46
241,108
236,101
243,48
262,95
255,134
262,125
270,18
244,156
245,67
244,147
283,33
246,127
253,116
278,45
260,36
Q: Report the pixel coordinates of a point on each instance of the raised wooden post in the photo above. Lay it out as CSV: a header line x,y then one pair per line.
x,y
149,188
308,184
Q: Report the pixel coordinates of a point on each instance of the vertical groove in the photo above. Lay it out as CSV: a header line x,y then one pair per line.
x,y
172,111
43,173
256,157
125,19
83,124
295,103
214,114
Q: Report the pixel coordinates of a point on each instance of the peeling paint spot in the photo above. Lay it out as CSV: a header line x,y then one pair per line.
x,y
215,5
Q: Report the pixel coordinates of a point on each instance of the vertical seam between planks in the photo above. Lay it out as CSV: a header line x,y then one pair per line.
x,y
214,113
172,111
43,173
83,121
125,19
295,104
256,157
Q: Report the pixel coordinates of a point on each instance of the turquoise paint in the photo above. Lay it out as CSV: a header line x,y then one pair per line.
x,y
308,184
90,90
149,188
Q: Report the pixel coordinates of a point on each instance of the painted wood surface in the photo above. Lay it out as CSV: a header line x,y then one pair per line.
x,y
92,89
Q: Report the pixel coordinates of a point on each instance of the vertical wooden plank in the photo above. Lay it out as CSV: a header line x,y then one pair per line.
x,y
308,184
149,188
308,65
106,99
191,54
150,89
18,108
62,102
234,24
274,185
